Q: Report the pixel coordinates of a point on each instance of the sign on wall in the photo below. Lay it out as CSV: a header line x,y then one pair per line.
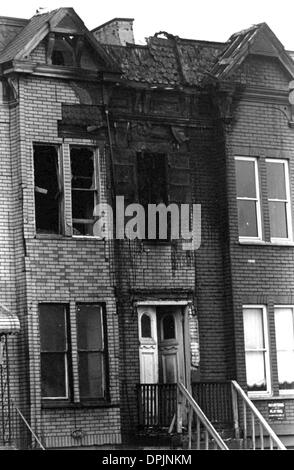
x,y
276,411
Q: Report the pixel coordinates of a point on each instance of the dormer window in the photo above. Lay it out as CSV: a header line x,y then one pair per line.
x,y
64,51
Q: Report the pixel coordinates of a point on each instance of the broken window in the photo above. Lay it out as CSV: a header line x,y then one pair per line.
x,y
151,178
84,189
152,185
48,191
63,52
91,351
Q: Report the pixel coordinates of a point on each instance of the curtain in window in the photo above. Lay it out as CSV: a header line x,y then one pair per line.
x,y
285,347
254,349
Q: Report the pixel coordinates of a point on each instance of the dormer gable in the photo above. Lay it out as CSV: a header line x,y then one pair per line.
x,y
259,40
67,41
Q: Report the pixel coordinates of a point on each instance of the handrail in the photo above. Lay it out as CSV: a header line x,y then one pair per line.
x,y
28,426
202,417
258,415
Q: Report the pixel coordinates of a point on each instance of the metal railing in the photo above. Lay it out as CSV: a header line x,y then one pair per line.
x,y
215,400
156,404
257,433
23,436
206,436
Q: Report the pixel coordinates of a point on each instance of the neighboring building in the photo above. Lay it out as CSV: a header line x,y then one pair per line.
x,y
175,121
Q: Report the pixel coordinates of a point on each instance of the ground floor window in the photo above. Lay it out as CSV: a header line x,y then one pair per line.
x,y
55,349
87,331
284,326
91,351
256,349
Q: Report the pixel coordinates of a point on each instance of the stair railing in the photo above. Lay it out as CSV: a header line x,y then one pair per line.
x,y
204,429
253,421
23,435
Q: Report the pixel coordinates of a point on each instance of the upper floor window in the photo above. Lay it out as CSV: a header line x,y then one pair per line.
x,y
279,199
48,189
284,325
256,349
84,189
248,198
64,51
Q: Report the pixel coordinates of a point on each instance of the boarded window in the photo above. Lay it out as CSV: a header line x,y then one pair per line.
x,y
54,351
47,189
84,189
91,351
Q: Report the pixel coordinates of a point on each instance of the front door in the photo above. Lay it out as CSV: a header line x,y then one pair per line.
x,y
148,345
170,345
161,344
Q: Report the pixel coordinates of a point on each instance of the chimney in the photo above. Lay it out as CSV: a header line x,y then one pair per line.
x,y
118,31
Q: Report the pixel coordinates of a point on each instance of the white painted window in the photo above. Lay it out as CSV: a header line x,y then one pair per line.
x,y
284,325
84,189
256,349
248,198
279,199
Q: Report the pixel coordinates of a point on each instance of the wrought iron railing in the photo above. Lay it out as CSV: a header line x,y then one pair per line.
x,y
215,399
156,404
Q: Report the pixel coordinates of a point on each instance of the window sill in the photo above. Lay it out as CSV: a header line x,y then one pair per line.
x,y
49,236
264,396
272,398
264,243
53,404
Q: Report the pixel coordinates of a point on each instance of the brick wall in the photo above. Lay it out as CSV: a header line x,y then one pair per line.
x,y
261,273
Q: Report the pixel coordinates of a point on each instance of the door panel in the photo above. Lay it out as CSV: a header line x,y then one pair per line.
x,y
170,344
148,349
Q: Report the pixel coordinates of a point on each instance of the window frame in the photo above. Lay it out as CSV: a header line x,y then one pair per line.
x,y
60,178
287,201
283,392
268,392
104,353
67,353
96,191
257,199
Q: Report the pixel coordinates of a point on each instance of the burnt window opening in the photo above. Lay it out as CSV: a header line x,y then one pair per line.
x,y
152,187
152,181
83,190
48,191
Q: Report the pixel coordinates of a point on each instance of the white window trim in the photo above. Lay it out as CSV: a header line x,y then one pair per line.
x,y
289,239
257,200
97,189
268,391
289,392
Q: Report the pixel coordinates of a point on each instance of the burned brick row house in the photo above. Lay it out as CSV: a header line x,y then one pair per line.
x,y
87,116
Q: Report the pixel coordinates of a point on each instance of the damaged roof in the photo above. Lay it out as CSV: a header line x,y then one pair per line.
x,y
258,39
169,61
61,19
26,35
